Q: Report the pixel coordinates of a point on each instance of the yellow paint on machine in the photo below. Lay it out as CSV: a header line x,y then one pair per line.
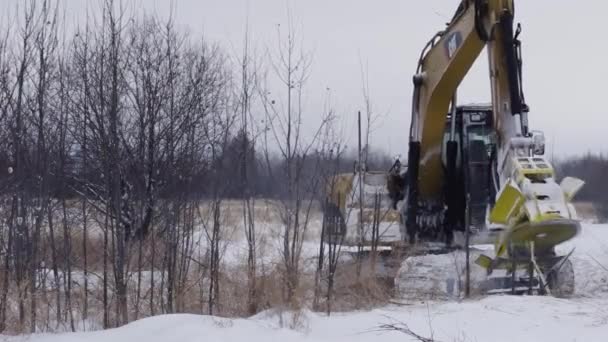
x,y
545,234
508,204
545,231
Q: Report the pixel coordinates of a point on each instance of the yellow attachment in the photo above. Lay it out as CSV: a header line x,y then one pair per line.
x,y
532,167
545,234
570,186
508,204
526,217
496,264
499,263
484,261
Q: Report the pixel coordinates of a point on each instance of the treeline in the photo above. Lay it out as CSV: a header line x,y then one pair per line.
x,y
592,168
266,178
119,144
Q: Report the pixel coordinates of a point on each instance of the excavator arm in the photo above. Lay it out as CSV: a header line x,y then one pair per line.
x,y
444,63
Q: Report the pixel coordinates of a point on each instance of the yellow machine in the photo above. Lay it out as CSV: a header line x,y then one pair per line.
x,y
361,216
479,167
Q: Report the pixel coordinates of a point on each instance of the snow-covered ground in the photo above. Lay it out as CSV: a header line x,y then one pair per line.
x,y
494,318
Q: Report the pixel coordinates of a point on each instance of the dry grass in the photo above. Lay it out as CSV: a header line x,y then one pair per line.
x,y
352,292
192,295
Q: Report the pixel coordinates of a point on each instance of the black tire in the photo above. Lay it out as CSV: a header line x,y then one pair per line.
x,y
561,281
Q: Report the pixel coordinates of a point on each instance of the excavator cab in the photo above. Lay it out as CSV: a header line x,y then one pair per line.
x,y
476,140
474,122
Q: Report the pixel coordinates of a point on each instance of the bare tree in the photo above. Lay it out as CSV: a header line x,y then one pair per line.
x,y
148,80
245,95
330,237
6,86
218,136
99,64
284,116
363,165
18,228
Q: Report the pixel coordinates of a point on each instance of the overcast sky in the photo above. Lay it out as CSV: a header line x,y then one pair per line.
x,y
564,46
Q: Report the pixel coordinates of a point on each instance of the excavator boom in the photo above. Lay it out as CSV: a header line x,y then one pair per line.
x,y
444,63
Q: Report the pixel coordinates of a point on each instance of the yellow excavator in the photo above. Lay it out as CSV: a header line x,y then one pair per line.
x,y
478,169
464,162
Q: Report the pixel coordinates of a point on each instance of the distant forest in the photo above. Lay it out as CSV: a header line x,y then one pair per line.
x,y
592,168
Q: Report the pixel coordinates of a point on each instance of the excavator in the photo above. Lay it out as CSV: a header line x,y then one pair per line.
x,y
478,169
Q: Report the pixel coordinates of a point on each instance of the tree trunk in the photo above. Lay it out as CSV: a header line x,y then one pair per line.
x,y
54,264
67,245
106,313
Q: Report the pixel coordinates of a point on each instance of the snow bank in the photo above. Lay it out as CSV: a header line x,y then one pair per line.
x,y
590,260
178,327
496,318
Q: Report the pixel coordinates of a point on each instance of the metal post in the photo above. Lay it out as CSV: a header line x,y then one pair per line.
x,y
542,280
513,267
360,179
360,225
467,288
531,278
467,212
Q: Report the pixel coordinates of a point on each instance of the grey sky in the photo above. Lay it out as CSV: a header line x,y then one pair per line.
x,y
563,45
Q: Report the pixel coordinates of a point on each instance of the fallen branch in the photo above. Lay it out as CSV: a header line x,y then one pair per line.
x,y
403,328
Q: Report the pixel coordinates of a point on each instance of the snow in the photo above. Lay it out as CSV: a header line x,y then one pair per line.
x,y
492,318
496,318
590,260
